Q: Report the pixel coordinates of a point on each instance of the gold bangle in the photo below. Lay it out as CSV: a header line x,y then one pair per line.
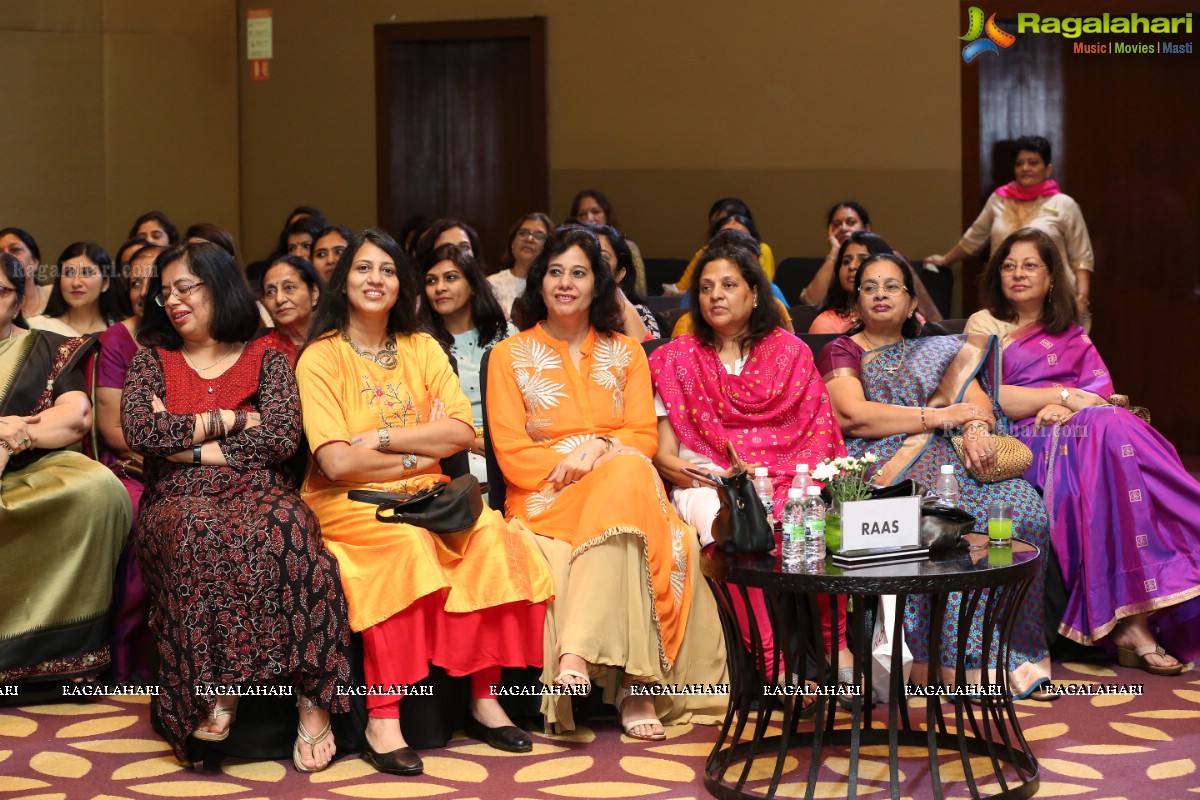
x,y
924,427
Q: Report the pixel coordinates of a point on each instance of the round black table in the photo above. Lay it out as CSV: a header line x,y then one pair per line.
x,y
992,583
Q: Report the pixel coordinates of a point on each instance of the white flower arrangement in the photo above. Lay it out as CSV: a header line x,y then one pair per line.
x,y
844,477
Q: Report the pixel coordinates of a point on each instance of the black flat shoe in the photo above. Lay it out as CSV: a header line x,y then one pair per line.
x,y
404,761
509,738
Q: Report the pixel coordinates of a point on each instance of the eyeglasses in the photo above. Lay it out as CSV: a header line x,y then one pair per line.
x,y
537,236
1031,267
180,291
891,288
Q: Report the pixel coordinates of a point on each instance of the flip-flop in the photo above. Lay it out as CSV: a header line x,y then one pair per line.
x,y
216,713
304,704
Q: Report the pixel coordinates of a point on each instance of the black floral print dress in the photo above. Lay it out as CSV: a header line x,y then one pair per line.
x,y
242,590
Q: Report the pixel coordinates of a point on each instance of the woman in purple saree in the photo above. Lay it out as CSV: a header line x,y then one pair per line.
x,y
1123,509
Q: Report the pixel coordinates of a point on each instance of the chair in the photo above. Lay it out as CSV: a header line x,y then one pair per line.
x,y
795,273
662,270
653,344
817,341
497,488
939,284
671,319
945,327
802,316
663,303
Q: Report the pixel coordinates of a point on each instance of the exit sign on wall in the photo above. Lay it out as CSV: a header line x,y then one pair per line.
x,y
258,43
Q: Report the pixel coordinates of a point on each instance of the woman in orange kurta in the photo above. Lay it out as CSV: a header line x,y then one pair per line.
x,y
381,406
572,421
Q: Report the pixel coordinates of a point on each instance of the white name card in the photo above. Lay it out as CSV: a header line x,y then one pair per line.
x,y
871,524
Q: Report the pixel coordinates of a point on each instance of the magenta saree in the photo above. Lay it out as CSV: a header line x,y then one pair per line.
x,y
1124,513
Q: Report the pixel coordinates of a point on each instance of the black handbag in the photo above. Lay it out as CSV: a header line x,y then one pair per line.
x,y
741,524
445,508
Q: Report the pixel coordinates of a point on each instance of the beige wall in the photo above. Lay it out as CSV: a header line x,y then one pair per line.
x,y
666,106
113,108
127,105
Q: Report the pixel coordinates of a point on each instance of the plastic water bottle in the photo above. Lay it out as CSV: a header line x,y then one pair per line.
x,y
765,490
793,528
803,479
814,526
947,487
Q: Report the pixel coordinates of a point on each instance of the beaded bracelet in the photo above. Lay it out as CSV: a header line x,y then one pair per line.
x,y
924,427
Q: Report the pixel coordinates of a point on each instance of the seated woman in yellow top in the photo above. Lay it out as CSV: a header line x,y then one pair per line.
x,y
571,414
381,407
722,210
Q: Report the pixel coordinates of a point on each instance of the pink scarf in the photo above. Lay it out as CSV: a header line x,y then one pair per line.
x,y
776,413
1015,191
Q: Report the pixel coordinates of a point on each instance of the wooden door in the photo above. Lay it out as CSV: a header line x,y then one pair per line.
x,y
461,123
1123,129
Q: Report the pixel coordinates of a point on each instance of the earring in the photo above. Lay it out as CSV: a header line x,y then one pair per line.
x,y
755,304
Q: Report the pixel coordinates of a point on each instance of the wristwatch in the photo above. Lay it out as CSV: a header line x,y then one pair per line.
x,y
1065,395
608,443
196,454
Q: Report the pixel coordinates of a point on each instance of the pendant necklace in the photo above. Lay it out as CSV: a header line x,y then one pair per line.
x,y
198,370
891,368
384,357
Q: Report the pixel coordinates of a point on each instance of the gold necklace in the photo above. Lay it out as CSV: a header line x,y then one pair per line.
x,y
891,368
192,363
384,357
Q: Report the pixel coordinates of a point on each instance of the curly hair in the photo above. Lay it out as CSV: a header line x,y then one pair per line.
x,y
604,314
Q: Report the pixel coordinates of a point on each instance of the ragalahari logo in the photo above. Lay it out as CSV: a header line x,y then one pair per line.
x,y
997,38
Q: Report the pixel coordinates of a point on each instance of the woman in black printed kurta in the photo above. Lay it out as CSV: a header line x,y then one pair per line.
x,y
242,590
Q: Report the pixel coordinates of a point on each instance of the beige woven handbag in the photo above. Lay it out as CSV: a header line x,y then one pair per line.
x,y
1013,458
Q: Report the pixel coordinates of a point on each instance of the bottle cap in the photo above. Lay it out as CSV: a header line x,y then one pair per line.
x,y
795,494
760,472
814,491
801,468
947,469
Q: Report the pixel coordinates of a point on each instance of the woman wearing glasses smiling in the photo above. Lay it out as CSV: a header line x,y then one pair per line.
x,y
242,591
892,393
525,242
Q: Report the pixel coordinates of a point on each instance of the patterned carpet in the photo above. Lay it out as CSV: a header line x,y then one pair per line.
x,y
1098,748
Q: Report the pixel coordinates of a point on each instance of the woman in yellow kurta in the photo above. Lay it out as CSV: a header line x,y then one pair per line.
x,y
381,406
572,420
